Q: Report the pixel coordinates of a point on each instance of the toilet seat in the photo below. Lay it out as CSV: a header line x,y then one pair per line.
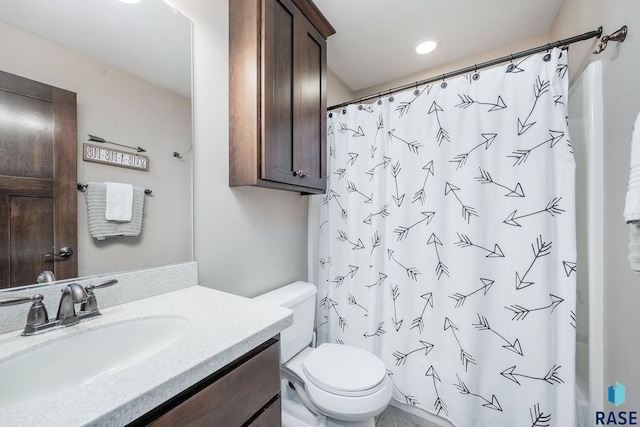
x,y
344,370
339,401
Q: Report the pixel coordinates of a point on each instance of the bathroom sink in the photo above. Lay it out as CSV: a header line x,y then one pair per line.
x,y
84,357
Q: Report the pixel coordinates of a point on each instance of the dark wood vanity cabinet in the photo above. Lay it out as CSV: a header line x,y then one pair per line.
x,y
244,393
277,94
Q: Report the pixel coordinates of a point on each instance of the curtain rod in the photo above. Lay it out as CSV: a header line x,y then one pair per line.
x,y
591,34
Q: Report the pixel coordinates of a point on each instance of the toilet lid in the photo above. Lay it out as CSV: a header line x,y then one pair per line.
x,y
343,369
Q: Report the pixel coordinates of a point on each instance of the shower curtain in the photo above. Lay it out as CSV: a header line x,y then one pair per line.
x,y
447,244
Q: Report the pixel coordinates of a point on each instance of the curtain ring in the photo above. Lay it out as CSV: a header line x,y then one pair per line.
x,y
511,66
444,84
547,57
475,75
416,92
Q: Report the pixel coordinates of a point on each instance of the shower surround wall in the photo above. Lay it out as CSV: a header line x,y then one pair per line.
x,y
621,103
585,124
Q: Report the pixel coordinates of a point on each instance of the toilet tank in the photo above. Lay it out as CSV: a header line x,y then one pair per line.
x,y
301,298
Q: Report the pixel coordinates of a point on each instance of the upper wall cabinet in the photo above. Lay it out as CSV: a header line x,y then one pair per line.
x,y
277,94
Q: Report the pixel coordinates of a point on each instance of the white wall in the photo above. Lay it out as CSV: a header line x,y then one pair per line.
x,y
481,56
621,93
247,240
338,91
125,109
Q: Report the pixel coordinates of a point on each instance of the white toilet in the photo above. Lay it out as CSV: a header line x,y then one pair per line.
x,y
332,385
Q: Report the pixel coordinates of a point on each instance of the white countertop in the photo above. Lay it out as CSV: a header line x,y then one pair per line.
x,y
222,327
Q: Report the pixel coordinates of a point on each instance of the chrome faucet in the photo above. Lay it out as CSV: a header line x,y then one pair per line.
x,y
72,294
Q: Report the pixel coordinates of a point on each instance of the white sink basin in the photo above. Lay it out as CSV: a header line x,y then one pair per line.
x,y
83,357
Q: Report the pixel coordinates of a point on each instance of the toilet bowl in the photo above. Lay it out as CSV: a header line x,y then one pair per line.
x,y
331,385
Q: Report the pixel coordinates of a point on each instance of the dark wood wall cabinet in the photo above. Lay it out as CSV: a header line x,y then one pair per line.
x,y
277,94
244,393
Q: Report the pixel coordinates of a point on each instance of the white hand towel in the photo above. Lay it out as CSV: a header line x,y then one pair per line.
x,y
119,202
632,203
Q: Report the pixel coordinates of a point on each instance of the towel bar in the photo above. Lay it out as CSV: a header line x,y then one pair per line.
x,y
83,187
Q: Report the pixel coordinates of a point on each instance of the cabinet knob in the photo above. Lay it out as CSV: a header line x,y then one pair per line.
x,y
300,173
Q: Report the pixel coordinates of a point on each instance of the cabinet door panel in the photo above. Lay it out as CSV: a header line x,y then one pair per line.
x,y
232,399
279,91
29,216
271,417
312,105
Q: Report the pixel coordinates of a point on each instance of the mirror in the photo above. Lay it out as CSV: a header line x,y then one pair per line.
x,y
130,67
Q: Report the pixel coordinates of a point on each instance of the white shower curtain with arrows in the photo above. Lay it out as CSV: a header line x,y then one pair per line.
x,y
447,244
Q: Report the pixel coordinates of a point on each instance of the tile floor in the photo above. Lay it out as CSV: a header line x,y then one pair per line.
x,y
394,417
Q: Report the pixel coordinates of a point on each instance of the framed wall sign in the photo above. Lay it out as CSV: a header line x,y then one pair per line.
x,y
109,156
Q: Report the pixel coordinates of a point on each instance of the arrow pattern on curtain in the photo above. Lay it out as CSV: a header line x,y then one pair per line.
x,y
447,244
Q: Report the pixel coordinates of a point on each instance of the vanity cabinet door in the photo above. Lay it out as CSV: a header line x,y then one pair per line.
x,y
247,392
270,417
277,98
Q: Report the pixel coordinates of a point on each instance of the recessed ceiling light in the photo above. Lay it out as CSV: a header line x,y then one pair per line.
x,y
130,1
426,45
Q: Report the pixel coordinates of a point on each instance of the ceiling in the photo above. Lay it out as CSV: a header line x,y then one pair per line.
x,y
150,39
373,44
374,39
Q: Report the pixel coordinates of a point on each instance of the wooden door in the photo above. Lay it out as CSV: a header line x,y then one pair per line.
x,y
38,200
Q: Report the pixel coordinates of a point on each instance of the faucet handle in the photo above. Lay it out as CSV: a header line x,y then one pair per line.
x,y
20,300
108,283
90,307
38,315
